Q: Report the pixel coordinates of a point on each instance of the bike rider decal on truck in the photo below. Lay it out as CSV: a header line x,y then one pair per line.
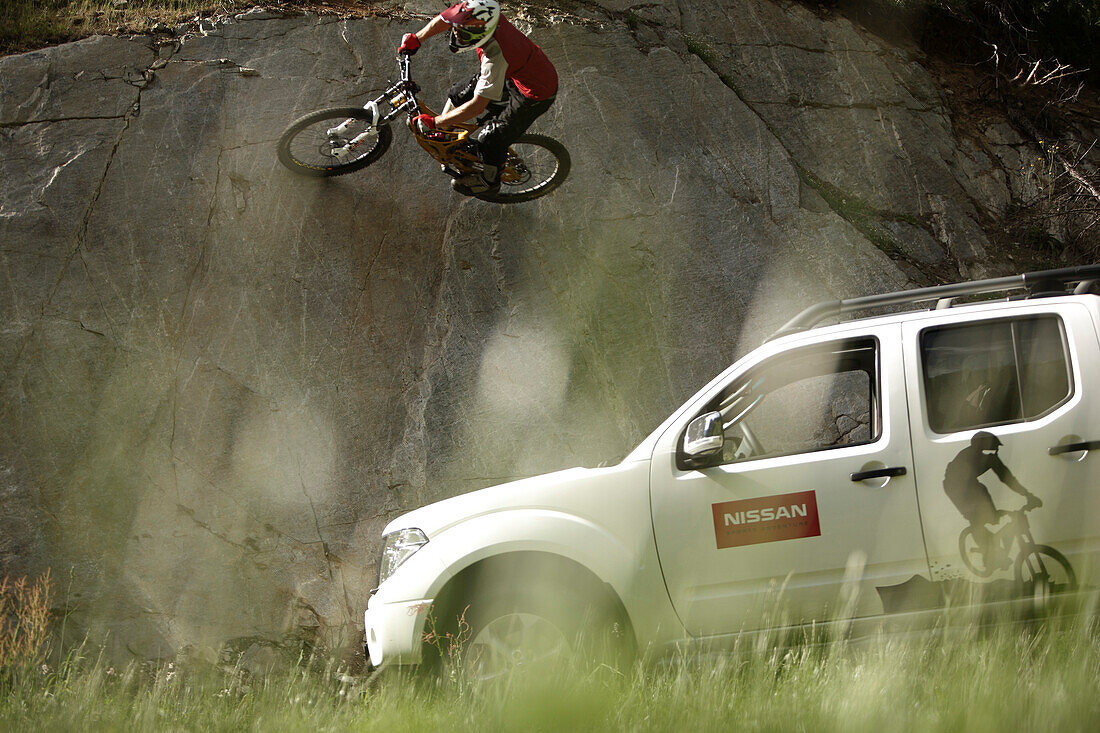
x,y
971,497
986,544
986,551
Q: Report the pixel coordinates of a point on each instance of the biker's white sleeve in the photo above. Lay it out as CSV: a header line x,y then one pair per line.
x,y
494,71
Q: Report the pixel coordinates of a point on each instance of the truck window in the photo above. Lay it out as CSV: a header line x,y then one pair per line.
x,y
809,399
993,373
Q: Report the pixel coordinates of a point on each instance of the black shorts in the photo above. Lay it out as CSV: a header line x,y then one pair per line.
x,y
507,119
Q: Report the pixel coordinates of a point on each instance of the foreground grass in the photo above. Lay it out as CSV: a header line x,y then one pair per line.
x,y
1045,678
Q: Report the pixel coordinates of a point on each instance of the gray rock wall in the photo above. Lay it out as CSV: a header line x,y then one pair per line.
x,y
220,381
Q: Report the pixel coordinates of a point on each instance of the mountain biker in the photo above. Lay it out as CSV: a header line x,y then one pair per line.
x,y
971,497
516,82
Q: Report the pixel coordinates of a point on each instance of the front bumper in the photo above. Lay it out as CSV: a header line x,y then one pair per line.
x,y
395,631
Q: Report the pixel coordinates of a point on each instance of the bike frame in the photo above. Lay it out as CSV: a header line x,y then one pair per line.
x,y
1019,529
401,98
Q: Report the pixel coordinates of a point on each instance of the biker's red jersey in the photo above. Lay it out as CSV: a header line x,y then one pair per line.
x,y
511,55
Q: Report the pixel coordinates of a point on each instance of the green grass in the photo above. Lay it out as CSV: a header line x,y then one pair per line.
x,y
1013,678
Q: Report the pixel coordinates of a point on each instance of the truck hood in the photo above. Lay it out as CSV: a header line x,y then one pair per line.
x,y
562,490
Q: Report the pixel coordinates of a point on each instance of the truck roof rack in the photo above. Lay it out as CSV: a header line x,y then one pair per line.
x,y
1037,284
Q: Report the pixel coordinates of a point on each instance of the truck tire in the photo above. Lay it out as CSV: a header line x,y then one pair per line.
x,y
500,633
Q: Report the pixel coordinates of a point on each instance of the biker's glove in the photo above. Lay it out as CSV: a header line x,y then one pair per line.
x,y
424,123
409,44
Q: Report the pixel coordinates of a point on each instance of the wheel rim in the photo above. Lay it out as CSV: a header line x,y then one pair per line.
x,y
529,167
512,643
314,147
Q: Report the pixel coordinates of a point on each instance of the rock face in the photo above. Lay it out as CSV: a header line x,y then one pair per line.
x,y
220,381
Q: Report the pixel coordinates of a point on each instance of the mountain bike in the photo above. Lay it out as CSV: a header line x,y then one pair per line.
x,y
331,142
1040,570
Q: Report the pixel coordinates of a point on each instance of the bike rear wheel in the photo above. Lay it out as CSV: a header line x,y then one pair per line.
x,y
331,142
536,165
972,554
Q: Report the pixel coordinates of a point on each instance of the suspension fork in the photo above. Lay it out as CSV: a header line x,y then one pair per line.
x,y
1026,544
378,117
401,97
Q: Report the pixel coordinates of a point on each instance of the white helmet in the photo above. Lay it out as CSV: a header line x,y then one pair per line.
x,y
472,23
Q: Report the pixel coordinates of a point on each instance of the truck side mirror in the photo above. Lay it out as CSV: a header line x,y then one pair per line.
x,y
703,436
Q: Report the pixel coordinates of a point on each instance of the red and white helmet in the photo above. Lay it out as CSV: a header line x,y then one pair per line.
x,y
472,23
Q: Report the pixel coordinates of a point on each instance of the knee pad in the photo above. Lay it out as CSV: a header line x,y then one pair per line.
x,y
485,132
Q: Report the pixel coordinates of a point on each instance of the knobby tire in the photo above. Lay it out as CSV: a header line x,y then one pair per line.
x,y
539,188
320,167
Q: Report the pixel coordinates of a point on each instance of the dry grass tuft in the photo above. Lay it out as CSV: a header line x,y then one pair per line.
x,y
24,621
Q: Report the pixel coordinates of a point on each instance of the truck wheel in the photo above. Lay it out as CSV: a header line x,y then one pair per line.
x,y
522,633
505,642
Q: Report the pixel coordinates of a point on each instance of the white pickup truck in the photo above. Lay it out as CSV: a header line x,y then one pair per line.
x,y
889,465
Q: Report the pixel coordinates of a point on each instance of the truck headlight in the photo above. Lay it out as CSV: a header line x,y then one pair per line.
x,y
397,547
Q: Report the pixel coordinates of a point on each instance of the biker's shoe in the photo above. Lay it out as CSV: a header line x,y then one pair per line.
x,y
475,184
476,187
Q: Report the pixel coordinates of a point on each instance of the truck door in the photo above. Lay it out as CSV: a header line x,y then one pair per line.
x,y
1003,410
811,505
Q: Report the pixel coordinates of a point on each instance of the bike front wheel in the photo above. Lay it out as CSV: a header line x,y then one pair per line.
x,y
331,142
1043,572
535,166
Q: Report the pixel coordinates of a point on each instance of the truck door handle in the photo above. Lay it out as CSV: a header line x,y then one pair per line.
x,y
1074,447
879,473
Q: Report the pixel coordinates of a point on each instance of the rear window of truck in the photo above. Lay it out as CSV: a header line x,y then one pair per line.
x,y
996,372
